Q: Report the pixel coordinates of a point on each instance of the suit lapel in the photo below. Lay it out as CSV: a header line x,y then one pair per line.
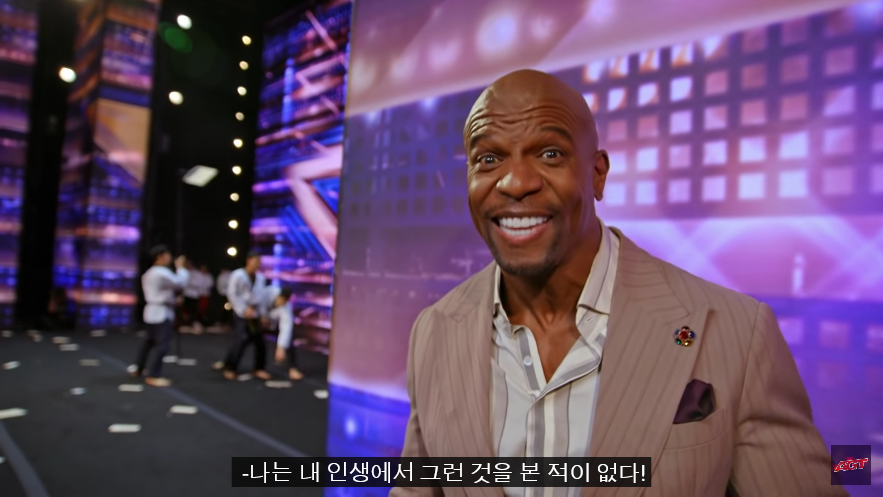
x,y
465,350
643,370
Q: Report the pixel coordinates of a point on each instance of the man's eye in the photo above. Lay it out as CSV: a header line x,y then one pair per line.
x,y
552,154
487,159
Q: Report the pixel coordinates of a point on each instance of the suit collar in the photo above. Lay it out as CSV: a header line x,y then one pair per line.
x,y
635,269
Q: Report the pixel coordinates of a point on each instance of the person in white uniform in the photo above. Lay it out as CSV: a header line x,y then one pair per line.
x,y
223,281
282,319
160,285
246,293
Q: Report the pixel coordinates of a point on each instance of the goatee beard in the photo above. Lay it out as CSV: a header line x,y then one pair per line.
x,y
536,270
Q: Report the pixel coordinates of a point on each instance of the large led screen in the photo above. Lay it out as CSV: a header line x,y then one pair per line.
x,y
752,157
105,151
18,46
299,155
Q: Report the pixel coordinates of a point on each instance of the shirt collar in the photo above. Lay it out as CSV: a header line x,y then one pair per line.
x,y
598,291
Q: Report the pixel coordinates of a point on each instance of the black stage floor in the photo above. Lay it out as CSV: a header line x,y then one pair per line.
x,y
62,447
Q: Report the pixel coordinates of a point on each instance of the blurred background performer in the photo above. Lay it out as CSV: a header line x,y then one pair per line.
x,y
159,284
205,282
224,310
246,293
282,320
192,292
223,316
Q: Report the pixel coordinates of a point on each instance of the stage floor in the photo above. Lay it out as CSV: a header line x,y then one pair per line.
x,y
63,446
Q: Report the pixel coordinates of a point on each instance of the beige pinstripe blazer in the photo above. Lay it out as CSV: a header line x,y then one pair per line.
x,y
760,439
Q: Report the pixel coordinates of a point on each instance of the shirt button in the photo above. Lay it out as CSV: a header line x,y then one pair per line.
x,y
528,361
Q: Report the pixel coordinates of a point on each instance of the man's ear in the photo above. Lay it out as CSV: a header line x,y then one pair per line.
x,y
599,173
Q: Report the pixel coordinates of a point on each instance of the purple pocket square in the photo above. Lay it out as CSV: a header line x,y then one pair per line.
x,y
696,404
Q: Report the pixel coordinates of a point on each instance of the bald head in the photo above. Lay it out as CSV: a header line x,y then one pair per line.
x,y
520,92
534,171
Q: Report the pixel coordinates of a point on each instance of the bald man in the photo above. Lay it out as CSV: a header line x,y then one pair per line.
x,y
575,342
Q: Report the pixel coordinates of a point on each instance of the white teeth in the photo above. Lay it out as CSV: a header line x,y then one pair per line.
x,y
521,227
521,222
520,232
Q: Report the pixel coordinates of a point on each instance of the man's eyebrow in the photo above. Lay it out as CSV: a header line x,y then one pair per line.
x,y
557,130
475,139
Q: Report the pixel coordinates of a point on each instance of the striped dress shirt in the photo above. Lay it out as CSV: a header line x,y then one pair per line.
x,y
533,418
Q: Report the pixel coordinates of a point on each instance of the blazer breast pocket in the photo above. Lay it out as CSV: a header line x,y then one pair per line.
x,y
697,433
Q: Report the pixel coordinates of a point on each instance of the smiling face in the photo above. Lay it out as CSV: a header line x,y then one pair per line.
x,y
533,169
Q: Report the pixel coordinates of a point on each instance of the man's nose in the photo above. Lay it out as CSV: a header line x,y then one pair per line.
x,y
520,180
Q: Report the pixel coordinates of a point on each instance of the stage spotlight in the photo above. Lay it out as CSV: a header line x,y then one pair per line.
x,y
67,74
243,65
241,90
237,143
240,116
237,170
246,40
184,22
233,224
232,251
234,197
176,98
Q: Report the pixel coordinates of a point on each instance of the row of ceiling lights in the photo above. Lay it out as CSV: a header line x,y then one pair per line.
x,y
237,170
177,99
68,75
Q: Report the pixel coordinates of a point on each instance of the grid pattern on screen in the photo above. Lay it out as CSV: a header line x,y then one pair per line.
x,y
407,162
780,120
99,216
783,119
790,115
299,140
838,348
18,46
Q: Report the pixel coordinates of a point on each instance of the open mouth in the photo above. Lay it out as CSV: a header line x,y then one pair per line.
x,y
521,228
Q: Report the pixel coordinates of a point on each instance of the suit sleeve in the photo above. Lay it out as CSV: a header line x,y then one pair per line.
x,y
778,449
414,445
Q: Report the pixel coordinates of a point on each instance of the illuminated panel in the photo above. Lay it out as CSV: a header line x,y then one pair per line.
x,y
105,150
18,46
753,159
299,155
